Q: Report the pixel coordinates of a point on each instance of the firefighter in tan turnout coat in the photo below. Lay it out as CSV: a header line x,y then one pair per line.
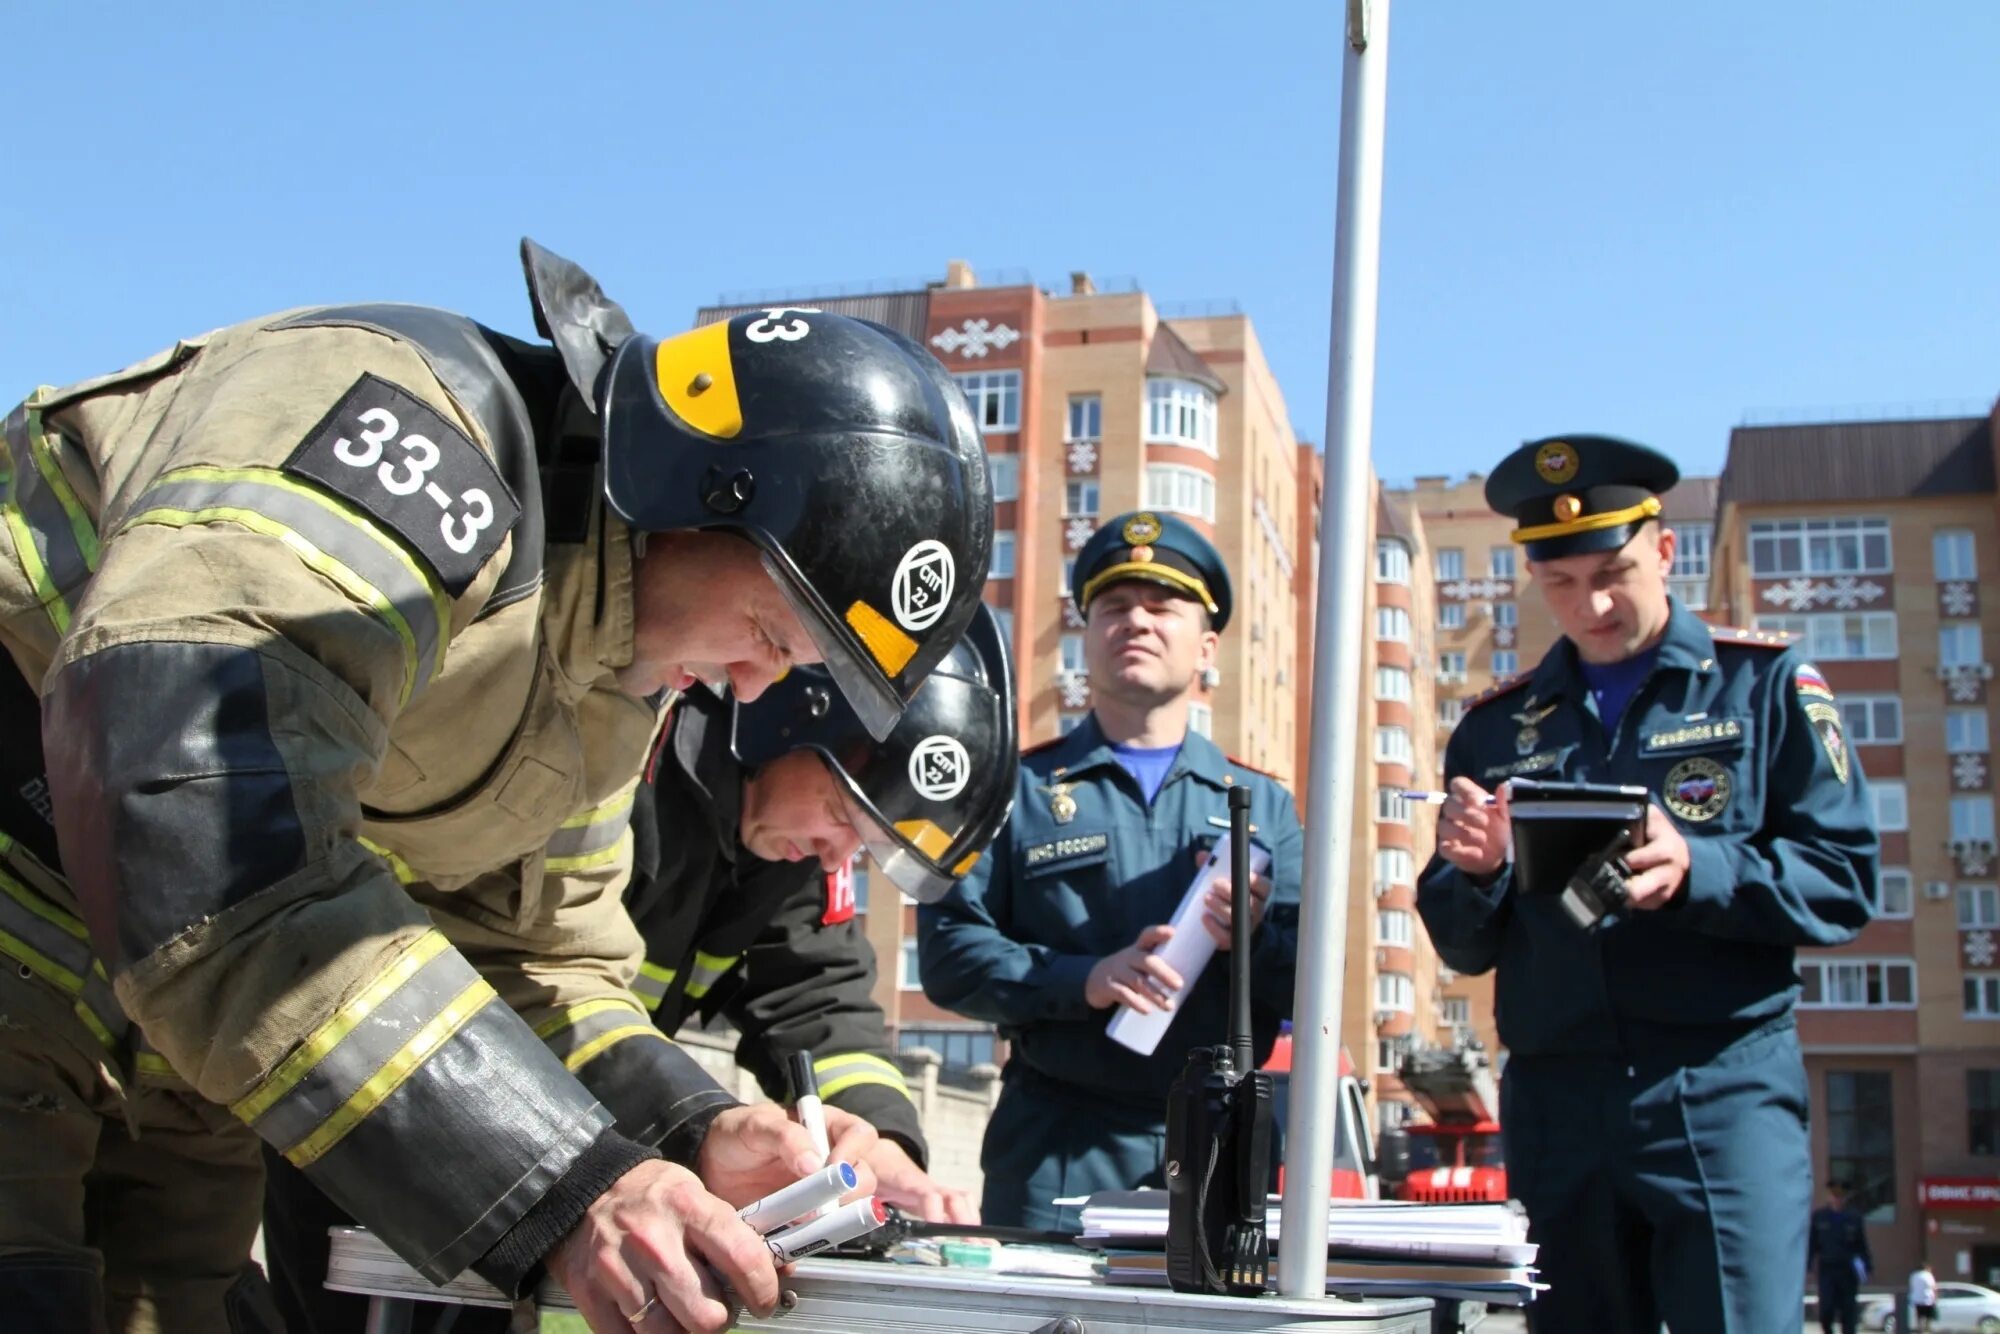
x,y
351,630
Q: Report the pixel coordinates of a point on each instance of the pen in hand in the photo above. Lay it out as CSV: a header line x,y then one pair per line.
x,y
806,1104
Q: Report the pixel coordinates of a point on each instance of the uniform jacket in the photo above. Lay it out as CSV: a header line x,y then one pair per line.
x,y
1730,734
338,763
1837,1239
730,934
1015,941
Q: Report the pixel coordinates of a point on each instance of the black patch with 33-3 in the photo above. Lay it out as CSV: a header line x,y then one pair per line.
x,y
1066,853
396,457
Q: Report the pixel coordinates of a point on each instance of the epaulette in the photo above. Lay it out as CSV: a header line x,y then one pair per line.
x,y
1244,764
1499,688
1771,639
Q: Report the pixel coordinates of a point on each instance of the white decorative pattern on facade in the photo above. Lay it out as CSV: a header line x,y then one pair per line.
x,y
1973,856
1503,636
1077,531
1968,771
1072,618
1075,687
974,338
1979,949
1473,590
1842,594
1271,535
1083,456
1956,598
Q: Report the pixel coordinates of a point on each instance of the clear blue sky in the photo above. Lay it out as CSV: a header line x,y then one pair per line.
x,y
1640,219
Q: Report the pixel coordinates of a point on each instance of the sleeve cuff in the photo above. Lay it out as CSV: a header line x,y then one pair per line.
x,y
514,1265
1710,883
1063,993
892,1114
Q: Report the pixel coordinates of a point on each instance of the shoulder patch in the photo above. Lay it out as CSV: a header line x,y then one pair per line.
x,y
1245,764
393,455
1730,634
1499,688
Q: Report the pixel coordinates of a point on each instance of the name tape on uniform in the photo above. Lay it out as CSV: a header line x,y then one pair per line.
x,y
1066,847
1694,734
412,470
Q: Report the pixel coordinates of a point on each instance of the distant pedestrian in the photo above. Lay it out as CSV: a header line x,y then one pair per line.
x,y
1838,1246
1923,1296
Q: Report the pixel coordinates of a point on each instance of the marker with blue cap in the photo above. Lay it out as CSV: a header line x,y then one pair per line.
x,y
805,1196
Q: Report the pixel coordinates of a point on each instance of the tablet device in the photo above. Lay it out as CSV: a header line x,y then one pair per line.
x,y
1557,825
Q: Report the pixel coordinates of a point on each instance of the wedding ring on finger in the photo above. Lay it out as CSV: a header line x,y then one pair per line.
x,y
634,1317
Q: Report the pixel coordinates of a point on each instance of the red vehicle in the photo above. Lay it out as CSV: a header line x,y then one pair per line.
x,y
1354,1175
1458,1156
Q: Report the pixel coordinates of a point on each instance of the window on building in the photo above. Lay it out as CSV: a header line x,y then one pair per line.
x,y
1688,579
1857,984
1395,866
1003,555
1392,683
1894,895
1872,720
961,1048
1390,808
1393,991
1450,710
1067,722
1069,574
1086,418
1960,645
1952,554
1201,718
995,397
909,971
1965,731
1456,1011
1180,412
1892,805
1861,1140
1388,1051
1392,623
1071,648
1978,907
859,866
1392,562
1982,1112
1982,995
1080,496
1169,486
1005,470
1838,636
1506,662
1451,666
1393,926
1451,615
1780,547
1448,563
1972,819
1392,745
1500,562
1506,615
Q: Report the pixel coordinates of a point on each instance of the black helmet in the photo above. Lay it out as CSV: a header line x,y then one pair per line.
x,y
928,799
844,451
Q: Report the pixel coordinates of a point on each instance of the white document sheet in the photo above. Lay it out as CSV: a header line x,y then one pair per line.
x,y
1187,953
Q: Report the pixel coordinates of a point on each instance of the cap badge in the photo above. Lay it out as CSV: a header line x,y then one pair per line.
x,y
1141,530
1556,461
1567,508
1142,554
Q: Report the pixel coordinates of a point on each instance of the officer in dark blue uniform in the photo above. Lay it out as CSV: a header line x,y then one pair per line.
x,y
1060,922
1654,1098
1837,1248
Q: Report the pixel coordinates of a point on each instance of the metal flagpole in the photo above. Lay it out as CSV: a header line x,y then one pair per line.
x,y
1337,639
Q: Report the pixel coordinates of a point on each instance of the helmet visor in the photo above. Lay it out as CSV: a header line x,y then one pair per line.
x,y
862,683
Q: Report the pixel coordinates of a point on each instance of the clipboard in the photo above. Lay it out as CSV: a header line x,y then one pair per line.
x,y
1556,826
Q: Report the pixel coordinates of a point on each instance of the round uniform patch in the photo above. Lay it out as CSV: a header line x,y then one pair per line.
x,y
1697,789
1556,462
1825,720
1141,530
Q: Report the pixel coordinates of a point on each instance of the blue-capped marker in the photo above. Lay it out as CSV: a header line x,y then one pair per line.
x,y
802,1197
1432,797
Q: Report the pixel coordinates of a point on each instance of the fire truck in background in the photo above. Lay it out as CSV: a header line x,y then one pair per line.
x,y
1457,1157
1354,1170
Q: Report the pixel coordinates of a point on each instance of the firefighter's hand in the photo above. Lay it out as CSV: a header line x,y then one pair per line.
x,y
1472,835
652,1255
751,1151
1218,905
1659,865
1134,976
899,1181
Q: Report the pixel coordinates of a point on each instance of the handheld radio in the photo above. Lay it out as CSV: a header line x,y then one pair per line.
x,y
1219,1126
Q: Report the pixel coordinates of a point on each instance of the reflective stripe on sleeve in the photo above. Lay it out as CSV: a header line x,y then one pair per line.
x,y
55,947
405,874
335,540
377,1039
851,1069
707,971
652,984
55,539
593,838
585,1031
